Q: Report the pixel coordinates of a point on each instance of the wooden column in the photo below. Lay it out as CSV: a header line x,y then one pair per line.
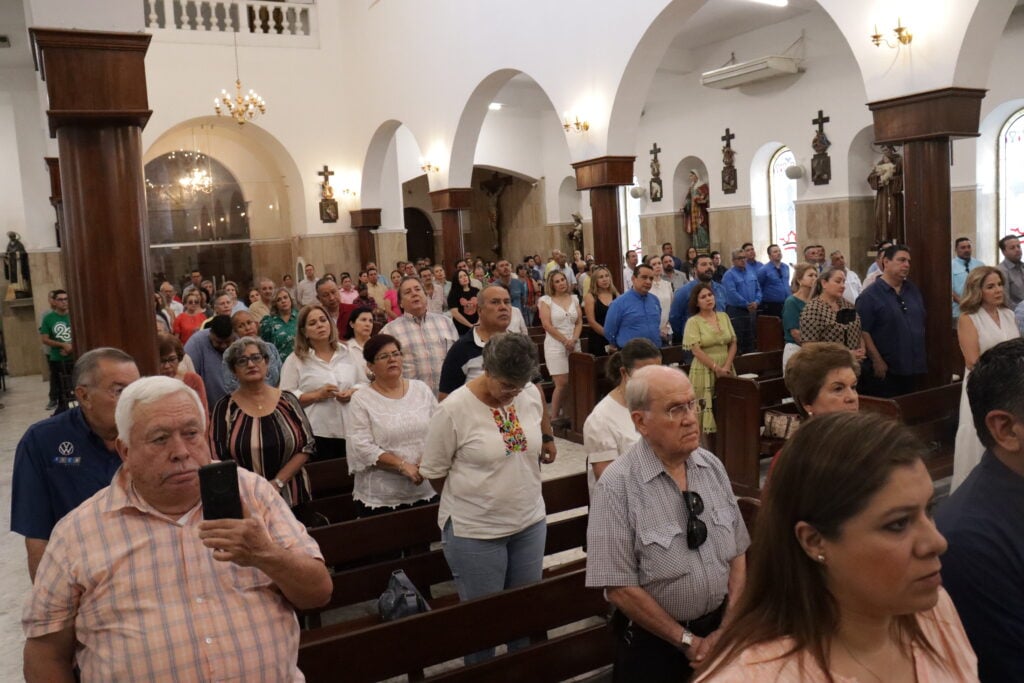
x,y
364,221
603,176
450,203
96,83
925,124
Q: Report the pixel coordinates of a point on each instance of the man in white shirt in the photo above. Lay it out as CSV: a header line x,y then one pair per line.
x,y
853,285
260,309
627,271
306,290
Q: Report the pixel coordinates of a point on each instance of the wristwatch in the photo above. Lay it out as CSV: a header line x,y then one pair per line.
x,y
547,438
686,639
277,482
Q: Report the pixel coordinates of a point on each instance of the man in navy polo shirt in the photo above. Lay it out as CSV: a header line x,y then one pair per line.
x,y
65,459
892,320
774,280
742,298
464,360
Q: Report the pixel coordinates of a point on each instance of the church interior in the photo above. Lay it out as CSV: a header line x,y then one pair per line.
x,y
391,130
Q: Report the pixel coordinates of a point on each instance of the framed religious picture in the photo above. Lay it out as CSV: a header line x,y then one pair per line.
x,y
329,210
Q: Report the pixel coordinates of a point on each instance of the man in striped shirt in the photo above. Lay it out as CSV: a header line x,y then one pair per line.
x,y
135,586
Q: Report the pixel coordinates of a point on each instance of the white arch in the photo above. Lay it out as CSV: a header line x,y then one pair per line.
x,y
681,179
467,132
987,179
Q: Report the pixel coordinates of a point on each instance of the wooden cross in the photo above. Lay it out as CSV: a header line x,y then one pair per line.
x,y
821,121
654,151
728,138
326,174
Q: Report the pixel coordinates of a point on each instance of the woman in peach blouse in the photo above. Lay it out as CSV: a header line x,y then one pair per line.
x,y
843,582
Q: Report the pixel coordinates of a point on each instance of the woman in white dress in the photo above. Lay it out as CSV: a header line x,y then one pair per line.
x,y
984,322
560,316
663,290
609,431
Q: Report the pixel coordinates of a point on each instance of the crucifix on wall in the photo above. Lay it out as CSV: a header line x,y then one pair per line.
x,y
328,204
493,187
656,188
729,182
821,164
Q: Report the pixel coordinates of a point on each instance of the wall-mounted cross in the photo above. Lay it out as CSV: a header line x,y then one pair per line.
x,y
728,138
821,121
654,151
326,174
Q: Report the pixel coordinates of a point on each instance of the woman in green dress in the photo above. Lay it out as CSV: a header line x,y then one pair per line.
x,y
279,327
709,336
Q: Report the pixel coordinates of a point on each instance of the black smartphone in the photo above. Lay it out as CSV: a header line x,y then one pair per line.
x,y
218,487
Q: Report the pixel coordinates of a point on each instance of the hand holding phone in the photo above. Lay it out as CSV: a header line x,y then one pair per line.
x,y
218,488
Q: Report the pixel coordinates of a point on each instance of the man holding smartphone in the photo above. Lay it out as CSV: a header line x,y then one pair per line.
x,y
135,585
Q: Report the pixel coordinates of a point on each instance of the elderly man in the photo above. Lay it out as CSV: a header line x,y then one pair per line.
x,y
167,293
704,268
206,349
892,319
426,337
261,309
962,265
665,539
853,284
65,459
773,278
136,586
983,566
637,313
306,289
328,296
742,299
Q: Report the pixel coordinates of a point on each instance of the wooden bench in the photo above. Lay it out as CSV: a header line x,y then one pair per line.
x,y
769,333
740,404
356,543
412,644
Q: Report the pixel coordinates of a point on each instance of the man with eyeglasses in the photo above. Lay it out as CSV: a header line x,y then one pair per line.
x,y
425,336
55,333
65,459
665,538
962,265
892,319
206,349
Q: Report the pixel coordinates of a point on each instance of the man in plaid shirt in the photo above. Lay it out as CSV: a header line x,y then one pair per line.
x,y
426,337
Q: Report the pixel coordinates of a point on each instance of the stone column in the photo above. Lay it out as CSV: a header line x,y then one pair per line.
x,y
96,83
364,221
603,176
450,203
925,123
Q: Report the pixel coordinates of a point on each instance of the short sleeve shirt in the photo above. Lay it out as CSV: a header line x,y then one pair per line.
x,y
58,328
636,534
608,433
463,362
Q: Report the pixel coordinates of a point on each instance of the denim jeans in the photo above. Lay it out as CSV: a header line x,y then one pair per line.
x,y
482,566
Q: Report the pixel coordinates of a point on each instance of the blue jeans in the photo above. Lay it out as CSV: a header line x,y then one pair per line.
x,y
482,566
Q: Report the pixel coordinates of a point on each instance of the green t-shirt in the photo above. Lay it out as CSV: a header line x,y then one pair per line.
x,y
58,328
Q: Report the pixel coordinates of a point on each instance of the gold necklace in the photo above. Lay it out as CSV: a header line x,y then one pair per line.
x,y
860,663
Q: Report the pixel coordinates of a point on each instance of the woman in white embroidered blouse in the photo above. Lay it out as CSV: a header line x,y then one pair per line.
x,y
387,430
321,374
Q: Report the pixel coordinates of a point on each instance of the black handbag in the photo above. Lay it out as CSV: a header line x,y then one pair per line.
x,y
401,599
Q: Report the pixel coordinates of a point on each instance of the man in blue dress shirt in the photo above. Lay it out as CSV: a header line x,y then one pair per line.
x,y
752,262
742,298
680,311
773,277
637,313
962,265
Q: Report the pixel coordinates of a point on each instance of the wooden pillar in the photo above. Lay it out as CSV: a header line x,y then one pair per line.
x,y
365,221
450,204
603,176
96,83
925,123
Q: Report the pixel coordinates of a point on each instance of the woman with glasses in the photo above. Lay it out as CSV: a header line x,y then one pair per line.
x,y
829,317
321,374
609,431
260,427
280,326
191,319
984,322
387,431
709,336
843,573
483,454
172,353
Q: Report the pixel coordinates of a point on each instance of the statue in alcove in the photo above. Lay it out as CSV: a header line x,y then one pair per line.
x,y
886,179
493,187
576,234
695,212
16,268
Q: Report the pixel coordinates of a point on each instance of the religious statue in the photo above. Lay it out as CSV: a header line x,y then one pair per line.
x,y
656,188
886,179
576,234
16,268
493,187
821,164
695,212
729,181
328,204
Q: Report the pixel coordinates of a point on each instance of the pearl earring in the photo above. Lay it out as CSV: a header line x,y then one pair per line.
x,y
821,558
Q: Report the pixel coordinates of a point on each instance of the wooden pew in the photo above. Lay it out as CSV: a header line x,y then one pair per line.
x,y
739,414
354,544
769,333
412,644
331,490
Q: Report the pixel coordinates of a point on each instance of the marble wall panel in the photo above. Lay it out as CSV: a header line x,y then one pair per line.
x,y
21,321
729,229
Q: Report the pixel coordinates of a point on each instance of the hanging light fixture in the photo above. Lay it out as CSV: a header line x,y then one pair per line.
x,y
241,108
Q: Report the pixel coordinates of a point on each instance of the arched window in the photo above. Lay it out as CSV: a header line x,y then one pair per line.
x,y
1011,176
782,206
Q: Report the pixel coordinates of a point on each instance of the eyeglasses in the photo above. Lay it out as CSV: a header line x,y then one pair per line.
x,y
169,360
696,529
255,359
61,298
386,356
684,409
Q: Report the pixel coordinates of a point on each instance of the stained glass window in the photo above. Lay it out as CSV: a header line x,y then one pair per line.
x,y
1011,176
782,198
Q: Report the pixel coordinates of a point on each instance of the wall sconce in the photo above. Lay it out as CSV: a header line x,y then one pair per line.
x,y
903,35
350,193
428,167
575,124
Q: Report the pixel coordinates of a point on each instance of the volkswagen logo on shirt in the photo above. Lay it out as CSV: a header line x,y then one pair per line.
x,y
66,454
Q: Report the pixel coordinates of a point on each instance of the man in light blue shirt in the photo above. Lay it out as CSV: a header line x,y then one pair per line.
x,y
680,313
752,262
742,297
773,277
962,265
637,313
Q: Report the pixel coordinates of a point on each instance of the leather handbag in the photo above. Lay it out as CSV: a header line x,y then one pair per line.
x,y
780,425
401,599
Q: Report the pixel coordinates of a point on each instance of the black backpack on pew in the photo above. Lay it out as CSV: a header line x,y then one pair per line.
x,y
401,599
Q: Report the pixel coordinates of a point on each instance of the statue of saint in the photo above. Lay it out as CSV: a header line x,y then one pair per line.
x,y
695,211
16,268
886,179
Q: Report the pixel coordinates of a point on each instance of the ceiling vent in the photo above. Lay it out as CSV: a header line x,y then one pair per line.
x,y
741,73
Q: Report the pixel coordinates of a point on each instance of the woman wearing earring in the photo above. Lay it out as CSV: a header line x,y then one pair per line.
x,y
805,275
843,573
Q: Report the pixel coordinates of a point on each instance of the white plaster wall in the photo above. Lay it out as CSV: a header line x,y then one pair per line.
x,y
12,212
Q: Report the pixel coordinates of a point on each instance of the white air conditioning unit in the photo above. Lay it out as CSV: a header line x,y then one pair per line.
x,y
742,73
